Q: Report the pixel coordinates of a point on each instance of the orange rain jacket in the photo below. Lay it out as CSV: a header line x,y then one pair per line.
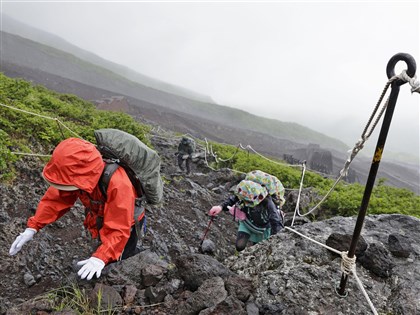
x,y
78,163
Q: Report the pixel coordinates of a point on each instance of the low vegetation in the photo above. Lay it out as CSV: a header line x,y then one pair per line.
x,y
24,132
41,118
344,200
74,298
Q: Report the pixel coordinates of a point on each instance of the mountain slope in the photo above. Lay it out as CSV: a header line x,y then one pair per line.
x,y
23,52
16,27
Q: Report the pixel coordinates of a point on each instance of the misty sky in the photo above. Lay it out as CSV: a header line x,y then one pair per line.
x,y
320,64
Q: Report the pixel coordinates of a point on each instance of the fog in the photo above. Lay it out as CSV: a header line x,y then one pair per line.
x,y
319,64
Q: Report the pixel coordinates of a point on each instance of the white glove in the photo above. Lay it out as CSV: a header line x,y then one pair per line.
x,y
21,240
215,210
90,267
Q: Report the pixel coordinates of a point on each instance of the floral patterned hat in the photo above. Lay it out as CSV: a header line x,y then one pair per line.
x,y
250,193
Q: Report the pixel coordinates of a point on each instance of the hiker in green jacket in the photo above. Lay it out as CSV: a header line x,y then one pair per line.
x,y
186,148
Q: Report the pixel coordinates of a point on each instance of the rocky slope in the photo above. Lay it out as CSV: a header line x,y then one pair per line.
x,y
175,275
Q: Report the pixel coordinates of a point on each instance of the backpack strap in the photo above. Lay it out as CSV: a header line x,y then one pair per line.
x,y
109,170
139,210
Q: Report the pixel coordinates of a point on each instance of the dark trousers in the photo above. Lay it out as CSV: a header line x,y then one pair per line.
x,y
241,241
187,163
130,248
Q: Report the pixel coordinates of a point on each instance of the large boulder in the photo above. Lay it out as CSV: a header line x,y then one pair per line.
x,y
289,269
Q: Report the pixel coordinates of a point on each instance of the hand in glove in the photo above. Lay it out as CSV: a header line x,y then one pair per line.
x,y
21,240
215,210
90,267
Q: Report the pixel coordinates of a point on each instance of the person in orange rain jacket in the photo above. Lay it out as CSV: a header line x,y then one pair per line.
x,y
73,172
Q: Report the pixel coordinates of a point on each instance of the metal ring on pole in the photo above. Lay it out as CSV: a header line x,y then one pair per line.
x,y
408,59
391,102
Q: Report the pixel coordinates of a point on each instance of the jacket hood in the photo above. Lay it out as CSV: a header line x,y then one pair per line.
x,y
75,162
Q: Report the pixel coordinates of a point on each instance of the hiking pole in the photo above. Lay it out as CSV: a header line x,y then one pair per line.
x,y
207,230
395,88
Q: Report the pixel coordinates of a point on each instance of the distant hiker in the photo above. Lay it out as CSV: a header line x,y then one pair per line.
x,y
257,214
186,148
74,172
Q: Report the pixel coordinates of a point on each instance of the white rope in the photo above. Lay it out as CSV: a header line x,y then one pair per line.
x,y
320,202
233,155
361,287
71,131
347,265
31,154
27,112
207,163
299,194
230,169
369,128
284,164
206,150
211,150
415,85
312,240
42,116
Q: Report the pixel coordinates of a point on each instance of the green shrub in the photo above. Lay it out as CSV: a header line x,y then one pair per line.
x,y
36,123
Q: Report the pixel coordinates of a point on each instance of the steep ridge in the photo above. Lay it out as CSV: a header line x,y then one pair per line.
x,y
284,275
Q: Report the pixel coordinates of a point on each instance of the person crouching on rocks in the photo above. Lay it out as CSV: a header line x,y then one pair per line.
x,y
74,172
254,209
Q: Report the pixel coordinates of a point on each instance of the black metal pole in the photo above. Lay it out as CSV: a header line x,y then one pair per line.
x,y
395,88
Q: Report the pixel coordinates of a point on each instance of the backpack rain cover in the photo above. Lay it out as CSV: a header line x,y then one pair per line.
x,y
138,157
